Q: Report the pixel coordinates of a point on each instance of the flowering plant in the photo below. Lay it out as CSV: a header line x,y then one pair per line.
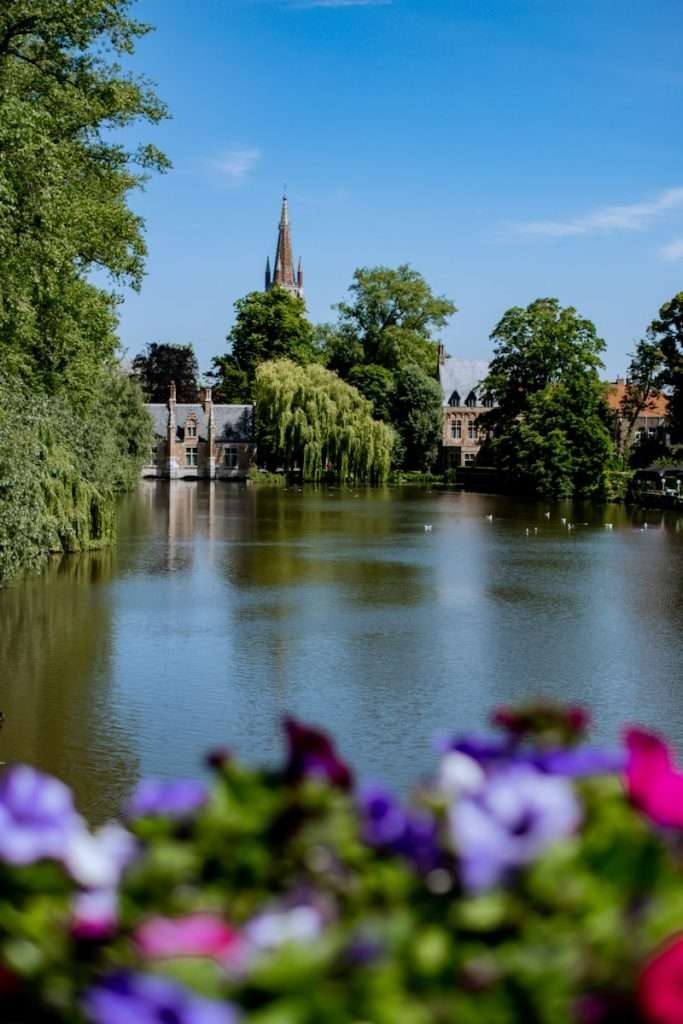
x,y
532,879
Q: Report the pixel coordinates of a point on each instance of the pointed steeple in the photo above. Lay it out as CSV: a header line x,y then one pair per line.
x,y
284,274
268,277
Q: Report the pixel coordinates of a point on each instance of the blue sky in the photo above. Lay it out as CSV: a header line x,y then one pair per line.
x,y
507,149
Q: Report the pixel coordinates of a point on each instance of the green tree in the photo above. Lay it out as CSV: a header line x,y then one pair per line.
x,y
268,325
391,317
376,383
643,381
666,331
418,417
308,417
160,364
64,182
551,425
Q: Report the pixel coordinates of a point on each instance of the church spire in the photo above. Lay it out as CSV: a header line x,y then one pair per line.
x,y
284,275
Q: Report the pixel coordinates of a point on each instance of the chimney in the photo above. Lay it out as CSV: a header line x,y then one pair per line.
x,y
206,398
442,354
171,393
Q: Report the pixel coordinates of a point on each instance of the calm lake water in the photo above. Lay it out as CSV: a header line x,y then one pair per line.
x,y
223,607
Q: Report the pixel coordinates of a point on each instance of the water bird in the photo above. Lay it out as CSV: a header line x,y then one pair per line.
x,y
428,527
563,520
535,529
609,526
570,526
527,531
645,526
489,517
547,515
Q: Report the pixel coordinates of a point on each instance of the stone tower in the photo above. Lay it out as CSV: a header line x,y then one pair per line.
x,y
283,273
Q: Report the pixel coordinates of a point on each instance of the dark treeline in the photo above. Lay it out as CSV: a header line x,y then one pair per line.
x,y
73,424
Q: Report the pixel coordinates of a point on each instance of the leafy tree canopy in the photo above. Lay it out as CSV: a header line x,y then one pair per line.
x,y
389,321
418,417
551,426
268,325
666,331
160,364
64,181
643,380
376,383
308,418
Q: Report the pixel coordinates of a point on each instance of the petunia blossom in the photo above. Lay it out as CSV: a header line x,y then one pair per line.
x,y
94,914
37,816
312,755
387,825
660,986
273,928
200,934
653,782
509,823
128,998
171,798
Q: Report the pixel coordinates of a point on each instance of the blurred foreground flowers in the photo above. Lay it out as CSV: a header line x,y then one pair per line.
x,y
533,879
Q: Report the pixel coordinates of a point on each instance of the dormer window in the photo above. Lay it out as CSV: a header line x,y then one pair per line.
x,y
471,399
191,428
454,399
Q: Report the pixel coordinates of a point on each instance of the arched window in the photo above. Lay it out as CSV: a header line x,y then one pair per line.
x,y
454,399
191,428
471,399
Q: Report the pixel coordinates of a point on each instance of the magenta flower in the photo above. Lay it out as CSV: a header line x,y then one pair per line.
x,y
312,755
127,998
509,823
195,935
653,782
170,798
95,914
37,816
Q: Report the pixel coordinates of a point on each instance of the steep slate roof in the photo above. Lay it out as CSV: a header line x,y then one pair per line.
x,y
231,422
461,375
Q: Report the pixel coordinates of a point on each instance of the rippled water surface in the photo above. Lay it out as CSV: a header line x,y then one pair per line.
x,y
223,607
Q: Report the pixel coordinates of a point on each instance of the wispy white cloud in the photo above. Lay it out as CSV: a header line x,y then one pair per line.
x,y
672,252
237,162
633,217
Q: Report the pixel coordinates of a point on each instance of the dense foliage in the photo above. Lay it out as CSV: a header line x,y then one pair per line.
x,y
60,470
384,344
309,419
160,364
666,332
533,880
551,426
64,182
268,325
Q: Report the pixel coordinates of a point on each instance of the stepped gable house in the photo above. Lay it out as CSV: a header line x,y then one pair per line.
x,y
283,273
201,439
463,402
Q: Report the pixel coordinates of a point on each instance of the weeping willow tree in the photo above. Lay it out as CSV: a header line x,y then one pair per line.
x,y
308,417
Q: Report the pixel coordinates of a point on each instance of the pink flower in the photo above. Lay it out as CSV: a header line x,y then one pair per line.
x,y
195,935
660,988
95,914
652,781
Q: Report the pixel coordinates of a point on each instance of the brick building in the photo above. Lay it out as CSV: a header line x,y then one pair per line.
x,y
201,439
463,403
650,425
283,273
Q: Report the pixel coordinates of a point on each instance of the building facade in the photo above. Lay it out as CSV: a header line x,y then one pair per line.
x,y
463,404
196,440
650,425
283,273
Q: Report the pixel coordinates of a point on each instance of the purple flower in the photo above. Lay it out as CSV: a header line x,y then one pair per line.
x,y
273,928
126,998
575,762
95,914
312,755
387,825
510,822
37,816
172,798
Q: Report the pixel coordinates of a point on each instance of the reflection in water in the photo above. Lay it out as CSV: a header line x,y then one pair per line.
x,y
224,606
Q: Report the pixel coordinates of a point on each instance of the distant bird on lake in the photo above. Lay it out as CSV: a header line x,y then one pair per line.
x,y
535,529
645,526
563,521
609,526
570,526
527,531
428,527
547,515
489,517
